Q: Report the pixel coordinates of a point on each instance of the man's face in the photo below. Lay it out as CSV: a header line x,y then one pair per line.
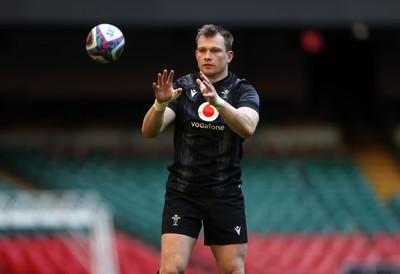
x,y
212,57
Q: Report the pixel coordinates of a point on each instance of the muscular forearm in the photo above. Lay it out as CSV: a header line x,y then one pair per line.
x,y
152,123
242,121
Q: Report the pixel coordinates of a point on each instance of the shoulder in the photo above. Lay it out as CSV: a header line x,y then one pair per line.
x,y
238,82
242,85
247,93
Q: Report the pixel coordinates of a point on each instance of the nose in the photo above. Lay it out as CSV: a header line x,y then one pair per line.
x,y
207,56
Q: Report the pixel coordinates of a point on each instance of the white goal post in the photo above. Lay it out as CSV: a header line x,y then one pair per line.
x,y
67,211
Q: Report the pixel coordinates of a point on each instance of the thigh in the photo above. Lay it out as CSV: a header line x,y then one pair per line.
x,y
230,258
181,214
175,252
181,225
225,222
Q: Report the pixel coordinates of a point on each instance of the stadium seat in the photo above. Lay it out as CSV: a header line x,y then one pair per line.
x,y
310,215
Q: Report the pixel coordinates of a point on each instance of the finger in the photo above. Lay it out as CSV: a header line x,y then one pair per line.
x,y
204,77
164,76
201,85
170,76
159,79
155,87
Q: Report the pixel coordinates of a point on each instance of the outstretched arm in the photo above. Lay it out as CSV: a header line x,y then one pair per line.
x,y
159,116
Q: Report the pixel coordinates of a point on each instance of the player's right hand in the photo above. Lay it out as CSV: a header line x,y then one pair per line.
x,y
163,89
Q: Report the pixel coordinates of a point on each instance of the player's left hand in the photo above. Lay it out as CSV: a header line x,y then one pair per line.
x,y
209,92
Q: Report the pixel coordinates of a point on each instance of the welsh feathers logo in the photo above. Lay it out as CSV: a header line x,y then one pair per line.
x,y
207,112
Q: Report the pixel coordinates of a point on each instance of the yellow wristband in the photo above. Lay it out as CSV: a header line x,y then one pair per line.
x,y
160,106
219,103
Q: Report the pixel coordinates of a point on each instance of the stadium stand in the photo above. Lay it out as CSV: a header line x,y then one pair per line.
x,y
308,212
382,168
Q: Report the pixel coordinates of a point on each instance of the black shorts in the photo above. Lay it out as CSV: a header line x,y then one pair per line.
x,y
223,217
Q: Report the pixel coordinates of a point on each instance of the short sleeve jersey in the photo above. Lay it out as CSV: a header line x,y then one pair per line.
x,y
207,157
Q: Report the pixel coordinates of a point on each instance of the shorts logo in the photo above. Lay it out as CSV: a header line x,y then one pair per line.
x,y
175,220
237,229
207,112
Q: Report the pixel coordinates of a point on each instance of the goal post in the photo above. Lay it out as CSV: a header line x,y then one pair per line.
x,y
68,211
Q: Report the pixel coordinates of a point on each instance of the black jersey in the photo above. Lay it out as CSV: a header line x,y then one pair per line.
x,y
207,152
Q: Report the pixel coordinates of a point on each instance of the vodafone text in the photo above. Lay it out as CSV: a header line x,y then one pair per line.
x,y
207,126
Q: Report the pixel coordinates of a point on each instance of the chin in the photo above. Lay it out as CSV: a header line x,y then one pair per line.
x,y
208,72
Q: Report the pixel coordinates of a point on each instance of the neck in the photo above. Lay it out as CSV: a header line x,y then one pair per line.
x,y
215,78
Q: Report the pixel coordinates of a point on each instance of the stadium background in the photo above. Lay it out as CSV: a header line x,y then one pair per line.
x,y
321,174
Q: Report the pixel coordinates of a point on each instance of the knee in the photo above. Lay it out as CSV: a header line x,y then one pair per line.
x,y
232,267
173,268
232,270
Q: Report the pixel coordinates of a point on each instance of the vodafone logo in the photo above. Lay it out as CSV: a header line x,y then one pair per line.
x,y
207,112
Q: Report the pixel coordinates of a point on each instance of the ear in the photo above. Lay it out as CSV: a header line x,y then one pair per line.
x,y
195,53
230,56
